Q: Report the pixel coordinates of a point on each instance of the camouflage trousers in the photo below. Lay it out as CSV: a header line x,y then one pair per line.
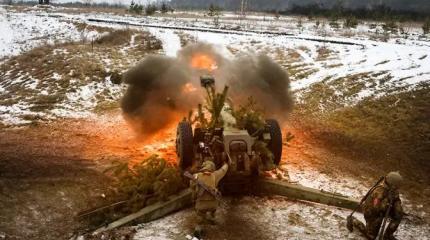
x,y
373,224
205,216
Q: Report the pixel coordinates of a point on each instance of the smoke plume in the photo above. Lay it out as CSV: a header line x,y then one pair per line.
x,y
154,96
162,90
263,79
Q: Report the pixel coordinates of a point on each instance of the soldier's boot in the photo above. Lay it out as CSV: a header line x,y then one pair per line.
x,y
198,231
389,237
210,217
391,229
354,222
349,223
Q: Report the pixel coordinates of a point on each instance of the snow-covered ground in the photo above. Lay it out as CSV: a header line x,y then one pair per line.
x,y
311,55
269,218
23,31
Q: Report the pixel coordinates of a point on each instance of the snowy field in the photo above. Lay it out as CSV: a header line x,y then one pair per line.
x,y
356,66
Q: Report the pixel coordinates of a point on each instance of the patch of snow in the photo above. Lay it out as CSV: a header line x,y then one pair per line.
x,y
56,76
11,115
271,218
169,39
22,31
32,83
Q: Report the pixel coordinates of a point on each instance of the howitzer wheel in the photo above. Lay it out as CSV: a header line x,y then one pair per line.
x,y
184,145
275,144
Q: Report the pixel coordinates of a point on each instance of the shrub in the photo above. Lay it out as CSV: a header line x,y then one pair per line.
x,y
334,24
426,26
135,8
150,9
351,22
317,23
213,10
390,26
164,8
153,177
116,37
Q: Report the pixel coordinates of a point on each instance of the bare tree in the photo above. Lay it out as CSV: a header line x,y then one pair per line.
x,y
243,8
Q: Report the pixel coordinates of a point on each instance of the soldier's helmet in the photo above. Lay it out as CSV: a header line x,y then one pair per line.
x,y
208,166
394,179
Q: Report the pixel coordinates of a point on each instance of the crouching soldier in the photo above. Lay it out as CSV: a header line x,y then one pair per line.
x,y
205,202
383,201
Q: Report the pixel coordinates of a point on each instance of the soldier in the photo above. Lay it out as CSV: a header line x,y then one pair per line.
x,y
206,204
377,204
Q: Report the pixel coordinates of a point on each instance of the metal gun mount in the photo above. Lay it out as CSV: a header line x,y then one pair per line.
x,y
266,186
207,81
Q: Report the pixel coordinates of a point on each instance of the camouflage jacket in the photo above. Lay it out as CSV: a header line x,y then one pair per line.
x,y
205,200
379,200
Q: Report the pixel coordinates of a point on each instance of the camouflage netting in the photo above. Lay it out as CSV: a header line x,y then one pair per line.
x,y
251,118
151,180
135,187
214,105
247,116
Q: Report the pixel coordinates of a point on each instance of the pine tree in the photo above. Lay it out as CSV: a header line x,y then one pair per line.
x,y
213,10
426,26
164,8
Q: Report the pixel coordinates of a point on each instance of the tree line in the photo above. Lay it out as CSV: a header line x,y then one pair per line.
x,y
363,9
378,12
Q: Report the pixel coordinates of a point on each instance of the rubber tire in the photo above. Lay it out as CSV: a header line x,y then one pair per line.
x,y
275,144
184,145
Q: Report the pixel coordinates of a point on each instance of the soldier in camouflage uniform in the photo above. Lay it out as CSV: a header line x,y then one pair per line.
x,y
376,205
206,204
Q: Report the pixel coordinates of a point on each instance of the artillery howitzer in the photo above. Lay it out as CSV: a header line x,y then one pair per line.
x,y
223,141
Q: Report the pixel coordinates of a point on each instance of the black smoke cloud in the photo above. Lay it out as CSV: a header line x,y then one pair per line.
x,y
154,95
263,79
159,87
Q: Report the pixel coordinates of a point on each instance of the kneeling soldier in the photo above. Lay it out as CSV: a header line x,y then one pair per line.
x,y
384,198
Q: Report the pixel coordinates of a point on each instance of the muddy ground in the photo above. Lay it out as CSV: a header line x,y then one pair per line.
x,y
51,171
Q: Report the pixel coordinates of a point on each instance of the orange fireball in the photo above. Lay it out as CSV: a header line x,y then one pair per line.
x,y
202,61
188,88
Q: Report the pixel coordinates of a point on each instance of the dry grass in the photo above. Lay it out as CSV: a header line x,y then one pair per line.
x,y
325,53
185,38
300,71
116,37
81,26
147,42
393,128
63,68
